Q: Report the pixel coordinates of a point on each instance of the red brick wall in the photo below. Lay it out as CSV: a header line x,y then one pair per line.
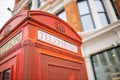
x,y
73,17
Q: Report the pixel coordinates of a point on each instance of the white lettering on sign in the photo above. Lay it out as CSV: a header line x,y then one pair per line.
x,y
43,36
11,43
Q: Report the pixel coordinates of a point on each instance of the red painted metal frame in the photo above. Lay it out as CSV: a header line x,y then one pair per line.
x,y
33,59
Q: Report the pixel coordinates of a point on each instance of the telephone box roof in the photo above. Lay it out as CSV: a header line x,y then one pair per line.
x,y
45,18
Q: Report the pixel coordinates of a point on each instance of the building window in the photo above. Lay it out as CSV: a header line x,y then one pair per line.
x,y
116,6
29,6
62,15
106,64
40,3
6,75
0,75
103,59
101,12
95,61
85,15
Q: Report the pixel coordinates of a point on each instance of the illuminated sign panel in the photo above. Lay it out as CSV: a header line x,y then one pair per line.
x,y
43,36
11,43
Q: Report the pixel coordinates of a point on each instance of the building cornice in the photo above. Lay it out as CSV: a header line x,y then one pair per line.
x,y
89,35
102,39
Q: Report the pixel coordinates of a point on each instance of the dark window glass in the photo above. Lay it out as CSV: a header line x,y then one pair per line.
x,y
118,55
116,6
101,12
103,59
95,61
6,75
111,57
62,15
85,15
0,76
29,6
40,3
109,64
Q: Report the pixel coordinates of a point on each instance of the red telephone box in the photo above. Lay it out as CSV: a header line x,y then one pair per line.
x,y
36,45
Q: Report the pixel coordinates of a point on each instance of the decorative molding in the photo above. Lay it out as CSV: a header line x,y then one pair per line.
x,y
102,31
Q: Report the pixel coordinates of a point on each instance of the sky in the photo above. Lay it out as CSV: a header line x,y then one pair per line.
x,y
5,15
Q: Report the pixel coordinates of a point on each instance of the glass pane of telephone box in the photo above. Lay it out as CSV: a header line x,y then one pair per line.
x,y
6,75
